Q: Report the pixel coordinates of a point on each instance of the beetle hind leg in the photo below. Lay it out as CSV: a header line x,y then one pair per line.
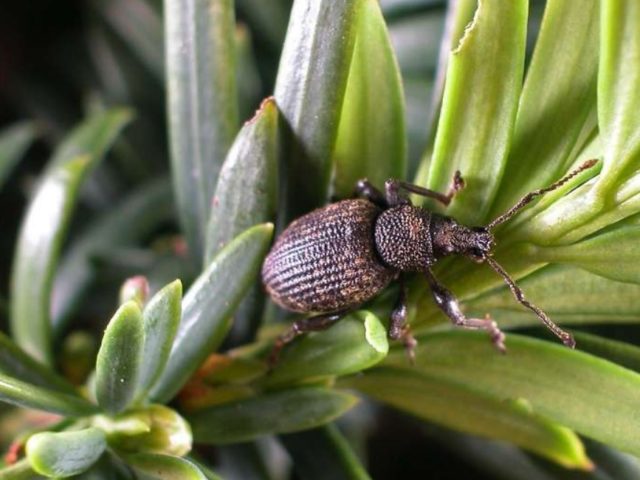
x,y
316,323
448,303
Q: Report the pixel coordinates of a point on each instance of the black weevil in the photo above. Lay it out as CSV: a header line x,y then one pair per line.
x,y
332,260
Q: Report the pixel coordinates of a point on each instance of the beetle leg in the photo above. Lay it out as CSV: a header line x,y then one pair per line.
x,y
304,325
448,303
365,189
394,191
398,328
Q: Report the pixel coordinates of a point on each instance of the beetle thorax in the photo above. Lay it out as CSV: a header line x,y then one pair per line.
x,y
403,238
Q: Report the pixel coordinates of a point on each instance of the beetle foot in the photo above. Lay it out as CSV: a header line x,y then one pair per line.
x,y
497,335
410,344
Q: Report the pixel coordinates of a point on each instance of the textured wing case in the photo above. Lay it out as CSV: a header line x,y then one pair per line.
x,y
326,260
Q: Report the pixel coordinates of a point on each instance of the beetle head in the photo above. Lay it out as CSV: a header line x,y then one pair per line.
x,y
452,238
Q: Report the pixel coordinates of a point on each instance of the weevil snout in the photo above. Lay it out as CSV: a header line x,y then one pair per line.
x,y
482,242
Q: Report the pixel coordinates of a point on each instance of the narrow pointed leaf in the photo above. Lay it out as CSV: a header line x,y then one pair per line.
x,y
592,396
65,454
14,141
120,359
17,363
128,223
309,91
484,79
355,343
323,453
463,407
202,102
371,140
459,15
558,99
17,392
622,353
246,193
618,93
160,320
596,254
208,306
164,467
44,228
140,27
289,411
567,294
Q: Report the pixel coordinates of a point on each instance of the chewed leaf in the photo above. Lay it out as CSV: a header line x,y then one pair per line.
x,y
371,140
484,78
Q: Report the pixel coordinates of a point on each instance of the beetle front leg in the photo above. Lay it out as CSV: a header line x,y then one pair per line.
x,y
394,191
448,303
316,323
398,327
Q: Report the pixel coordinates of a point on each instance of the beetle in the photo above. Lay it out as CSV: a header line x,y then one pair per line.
x,y
335,258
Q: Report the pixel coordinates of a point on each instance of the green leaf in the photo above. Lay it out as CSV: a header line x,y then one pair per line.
x,y
14,141
160,320
17,392
355,343
64,454
140,27
289,411
19,471
310,87
127,223
371,140
44,228
120,359
17,363
203,104
164,467
463,407
484,78
208,306
614,194
558,100
596,254
592,396
567,295
323,453
246,193
622,353
618,94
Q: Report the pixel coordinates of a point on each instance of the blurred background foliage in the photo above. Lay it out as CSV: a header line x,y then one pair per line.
x,y
98,69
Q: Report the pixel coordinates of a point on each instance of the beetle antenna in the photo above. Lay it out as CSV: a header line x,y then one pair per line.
x,y
536,193
566,337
